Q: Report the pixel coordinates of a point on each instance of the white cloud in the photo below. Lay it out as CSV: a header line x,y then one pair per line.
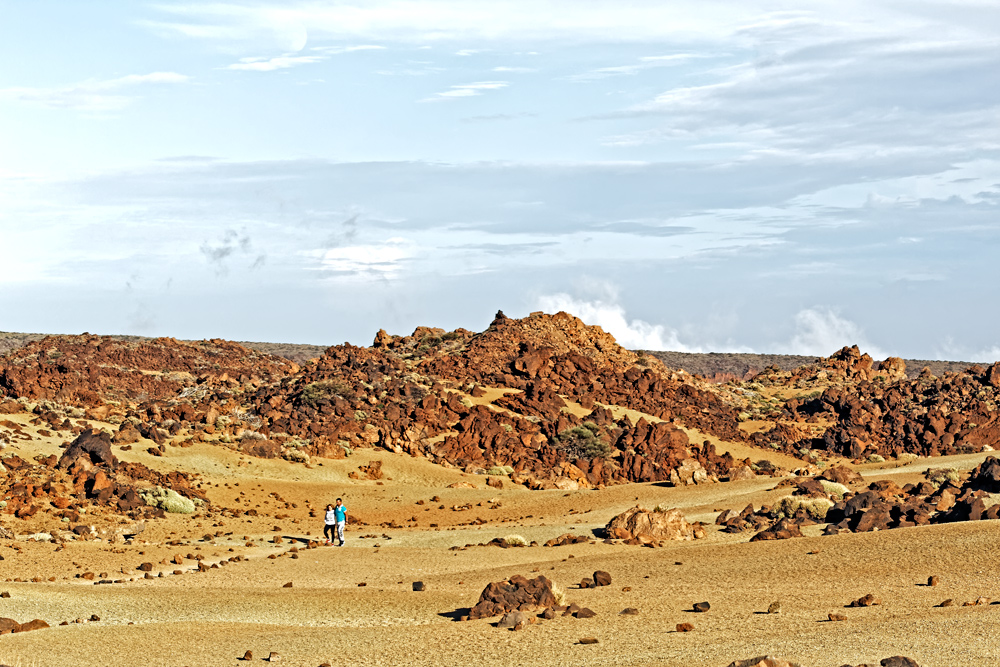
x,y
632,334
377,260
91,95
821,332
471,21
644,63
515,70
291,60
271,64
466,90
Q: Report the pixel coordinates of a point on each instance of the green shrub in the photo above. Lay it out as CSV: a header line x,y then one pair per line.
x,y
585,442
314,392
167,500
789,505
938,476
834,489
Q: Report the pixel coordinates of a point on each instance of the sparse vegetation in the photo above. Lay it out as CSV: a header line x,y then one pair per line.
x,y
834,489
584,442
515,541
815,507
322,390
167,500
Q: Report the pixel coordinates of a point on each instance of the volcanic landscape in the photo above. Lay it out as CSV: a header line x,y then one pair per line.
x,y
533,493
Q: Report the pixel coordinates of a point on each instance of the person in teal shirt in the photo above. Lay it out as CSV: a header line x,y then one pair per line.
x,y
340,514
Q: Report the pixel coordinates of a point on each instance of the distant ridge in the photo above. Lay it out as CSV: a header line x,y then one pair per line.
x,y
711,365
721,365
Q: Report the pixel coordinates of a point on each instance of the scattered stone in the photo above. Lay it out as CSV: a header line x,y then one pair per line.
x,y
586,582
273,657
837,616
36,624
145,567
247,656
602,578
419,586
933,580
629,611
586,612
514,620
763,661
685,627
868,600
701,607
898,661
774,607
588,640
782,530
288,585
947,603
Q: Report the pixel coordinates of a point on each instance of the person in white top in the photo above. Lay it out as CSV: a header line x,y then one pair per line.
x,y
331,524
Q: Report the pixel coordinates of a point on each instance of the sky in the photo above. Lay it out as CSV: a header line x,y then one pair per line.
x,y
696,176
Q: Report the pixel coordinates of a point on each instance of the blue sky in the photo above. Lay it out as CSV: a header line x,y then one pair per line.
x,y
745,176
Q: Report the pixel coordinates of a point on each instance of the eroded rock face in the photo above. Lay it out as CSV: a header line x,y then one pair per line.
x,y
92,448
516,594
880,412
639,523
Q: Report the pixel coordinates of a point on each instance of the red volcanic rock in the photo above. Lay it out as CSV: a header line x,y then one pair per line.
x,y
92,448
36,624
782,530
516,594
89,370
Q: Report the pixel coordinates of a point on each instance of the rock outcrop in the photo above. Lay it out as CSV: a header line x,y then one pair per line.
x,y
647,525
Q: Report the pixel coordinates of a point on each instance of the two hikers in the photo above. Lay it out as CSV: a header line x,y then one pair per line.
x,y
336,517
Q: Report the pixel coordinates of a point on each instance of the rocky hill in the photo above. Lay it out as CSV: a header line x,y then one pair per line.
x,y
727,366
547,399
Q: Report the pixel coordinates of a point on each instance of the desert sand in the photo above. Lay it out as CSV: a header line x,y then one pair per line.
x,y
214,617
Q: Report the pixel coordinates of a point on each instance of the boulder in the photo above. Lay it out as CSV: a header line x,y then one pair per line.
x,y
653,524
868,600
602,578
514,620
92,447
782,530
516,594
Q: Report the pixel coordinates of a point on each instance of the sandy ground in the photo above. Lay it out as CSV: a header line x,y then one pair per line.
x,y
200,619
